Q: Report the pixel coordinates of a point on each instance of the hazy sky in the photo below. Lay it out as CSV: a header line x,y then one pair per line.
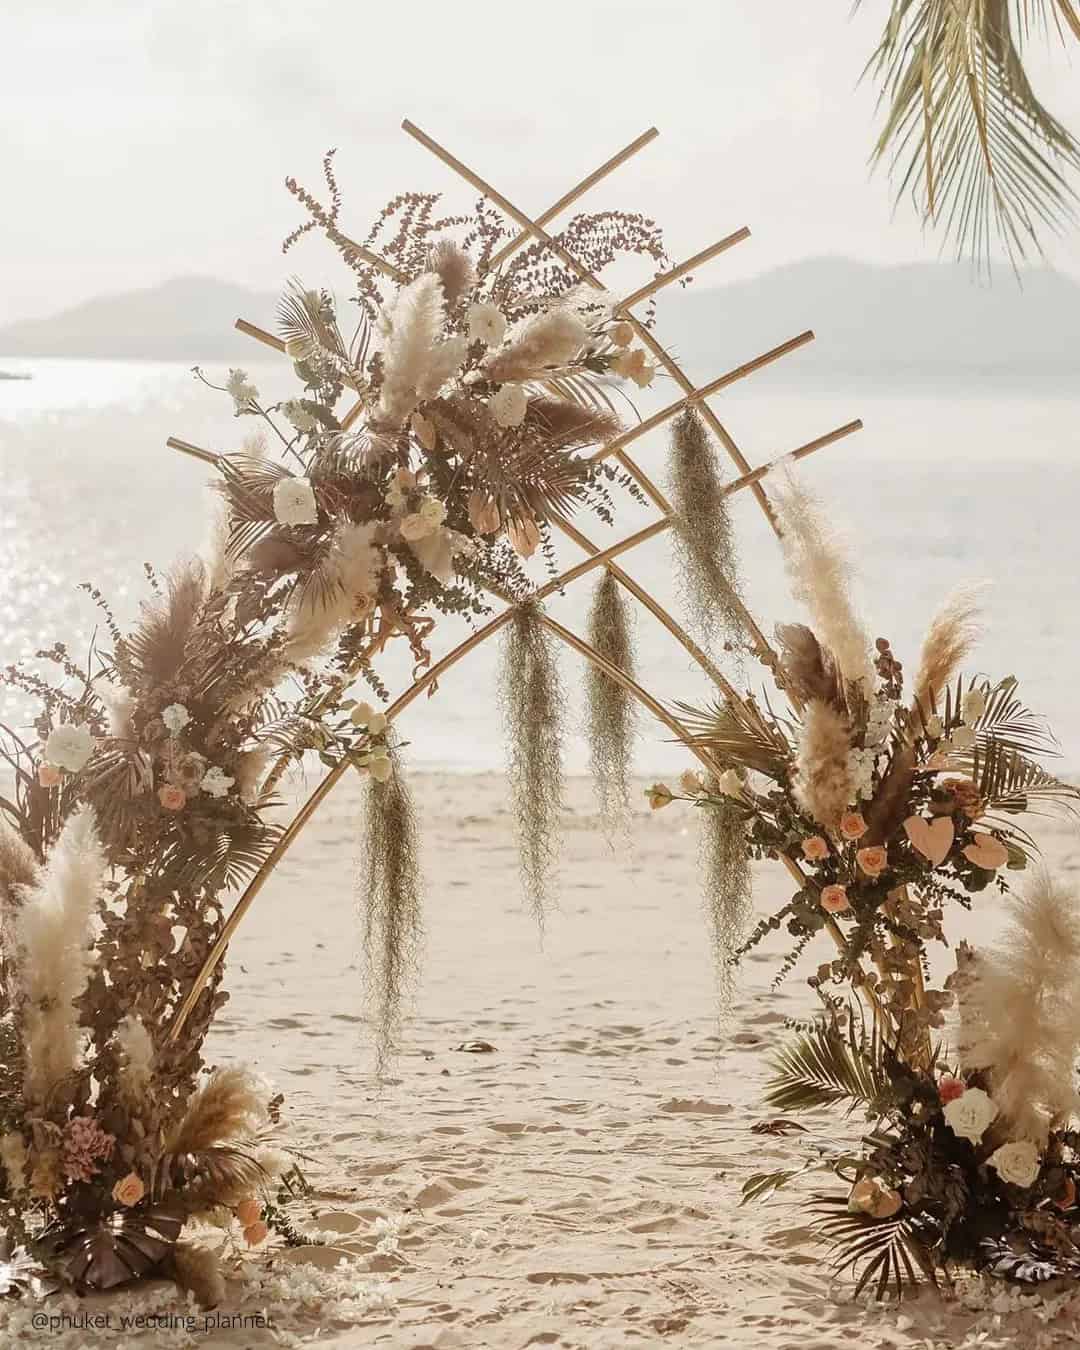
x,y
148,140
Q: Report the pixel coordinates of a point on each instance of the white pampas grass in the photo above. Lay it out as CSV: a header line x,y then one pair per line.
x,y
823,785
820,576
136,1058
53,933
351,571
417,362
1019,1012
953,632
13,1159
549,339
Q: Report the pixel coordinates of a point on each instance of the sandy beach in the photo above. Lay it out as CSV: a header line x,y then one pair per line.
x,y
579,1184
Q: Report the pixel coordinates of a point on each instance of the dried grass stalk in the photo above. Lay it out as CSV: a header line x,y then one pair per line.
x,y
53,932
533,703
612,713
823,786
391,898
725,870
705,552
953,632
1020,1012
230,1105
820,575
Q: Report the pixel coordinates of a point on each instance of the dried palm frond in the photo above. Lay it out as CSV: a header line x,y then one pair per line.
x,y
223,1174
529,478
533,707
611,710
738,735
889,1250
965,132
231,1104
952,634
391,899
822,783
827,1066
1019,1011
101,1253
306,320
705,550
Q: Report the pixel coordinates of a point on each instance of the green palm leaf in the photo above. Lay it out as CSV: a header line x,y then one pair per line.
x,y
965,132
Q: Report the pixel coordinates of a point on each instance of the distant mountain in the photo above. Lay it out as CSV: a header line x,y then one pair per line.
x,y
917,321
188,319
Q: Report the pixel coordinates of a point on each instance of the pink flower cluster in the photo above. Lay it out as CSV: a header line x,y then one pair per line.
x,y
86,1146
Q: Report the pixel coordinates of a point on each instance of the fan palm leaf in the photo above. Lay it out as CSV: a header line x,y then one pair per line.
x,y
737,733
888,1250
825,1067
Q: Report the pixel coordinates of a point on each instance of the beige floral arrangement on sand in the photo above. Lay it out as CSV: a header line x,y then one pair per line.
x,y
887,807
142,789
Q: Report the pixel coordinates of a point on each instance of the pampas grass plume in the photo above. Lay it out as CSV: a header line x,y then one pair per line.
x,y
823,785
197,1269
953,632
230,1105
54,936
820,576
136,1058
1019,1011
549,339
416,361
454,268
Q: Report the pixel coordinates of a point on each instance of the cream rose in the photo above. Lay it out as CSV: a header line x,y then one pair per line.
x,y
1017,1163
969,1116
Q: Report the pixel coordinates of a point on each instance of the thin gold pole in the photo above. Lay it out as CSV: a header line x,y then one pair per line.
x,y
696,396
683,269
801,452
597,175
260,335
186,448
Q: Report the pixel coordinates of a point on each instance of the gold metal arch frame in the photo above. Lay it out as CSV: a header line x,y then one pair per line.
x,y
748,478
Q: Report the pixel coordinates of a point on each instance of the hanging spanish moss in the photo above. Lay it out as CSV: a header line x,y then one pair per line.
x,y
726,884
612,712
533,701
705,553
390,894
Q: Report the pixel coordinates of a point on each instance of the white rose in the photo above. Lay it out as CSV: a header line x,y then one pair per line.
x,y
1016,1163
973,705
216,782
730,783
362,714
509,405
970,1115
432,510
294,502
69,746
487,324
377,723
176,717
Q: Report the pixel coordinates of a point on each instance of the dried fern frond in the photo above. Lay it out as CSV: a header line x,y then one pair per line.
x,y
391,900
705,551
612,714
965,132
533,707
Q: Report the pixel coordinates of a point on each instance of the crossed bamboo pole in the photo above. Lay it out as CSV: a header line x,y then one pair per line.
x,y
692,397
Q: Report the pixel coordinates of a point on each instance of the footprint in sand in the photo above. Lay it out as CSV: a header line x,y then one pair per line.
x,y
696,1108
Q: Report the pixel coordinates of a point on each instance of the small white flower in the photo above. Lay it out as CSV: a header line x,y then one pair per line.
x,y
381,768
487,324
973,705
432,510
242,390
176,717
969,1115
294,502
963,738
69,746
730,783
934,728
1016,1163
509,405
216,782
377,723
362,714
299,416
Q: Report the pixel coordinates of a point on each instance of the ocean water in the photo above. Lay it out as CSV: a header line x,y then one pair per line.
x,y
944,485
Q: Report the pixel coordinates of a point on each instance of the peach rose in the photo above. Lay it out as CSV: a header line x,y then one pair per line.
x,y
249,1211
852,825
49,776
949,1088
815,848
172,798
255,1233
873,861
833,900
129,1190
871,1196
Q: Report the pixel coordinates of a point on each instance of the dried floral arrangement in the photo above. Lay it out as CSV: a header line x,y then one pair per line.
x,y
889,806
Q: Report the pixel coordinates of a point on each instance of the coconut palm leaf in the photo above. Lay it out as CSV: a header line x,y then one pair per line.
x,y
965,132
1005,720
308,317
739,734
1009,781
826,1067
887,1250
